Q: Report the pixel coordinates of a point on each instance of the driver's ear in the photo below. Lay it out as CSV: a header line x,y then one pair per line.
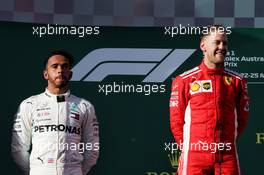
x,y
45,74
202,46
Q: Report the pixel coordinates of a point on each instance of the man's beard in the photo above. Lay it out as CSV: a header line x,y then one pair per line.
x,y
62,84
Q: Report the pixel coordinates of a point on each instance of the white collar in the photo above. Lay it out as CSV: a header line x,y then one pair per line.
x,y
57,97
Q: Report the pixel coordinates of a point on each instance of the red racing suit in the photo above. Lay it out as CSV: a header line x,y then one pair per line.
x,y
208,111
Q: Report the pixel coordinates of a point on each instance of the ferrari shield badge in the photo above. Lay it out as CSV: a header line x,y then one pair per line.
x,y
227,80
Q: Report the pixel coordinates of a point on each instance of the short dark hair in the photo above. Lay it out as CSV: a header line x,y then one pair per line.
x,y
211,29
67,55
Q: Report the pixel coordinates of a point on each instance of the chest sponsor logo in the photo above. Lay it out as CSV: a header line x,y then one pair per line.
x,y
75,116
42,120
227,80
43,114
74,107
50,160
207,86
61,127
200,86
195,87
43,110
43,106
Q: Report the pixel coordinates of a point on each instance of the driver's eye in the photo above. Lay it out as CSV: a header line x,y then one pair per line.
x,y
217,42
65,66
54,66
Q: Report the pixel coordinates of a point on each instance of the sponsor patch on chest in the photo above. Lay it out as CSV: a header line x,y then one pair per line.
x,y
201,86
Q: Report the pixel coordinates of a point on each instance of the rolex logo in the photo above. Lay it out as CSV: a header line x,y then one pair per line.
x,y
174,159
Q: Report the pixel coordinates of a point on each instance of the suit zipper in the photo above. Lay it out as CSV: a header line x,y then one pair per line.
x,y
218,128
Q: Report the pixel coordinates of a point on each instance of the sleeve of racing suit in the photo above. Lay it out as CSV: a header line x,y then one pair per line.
x,y
177,109
90,136
21,137
242,107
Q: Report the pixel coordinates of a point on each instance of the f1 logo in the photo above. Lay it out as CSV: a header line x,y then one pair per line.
x,y
157,64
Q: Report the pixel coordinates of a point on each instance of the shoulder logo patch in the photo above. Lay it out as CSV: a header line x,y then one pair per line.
x,y
227,80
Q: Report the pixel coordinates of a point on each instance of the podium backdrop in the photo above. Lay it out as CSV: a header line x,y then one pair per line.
x,y
127,73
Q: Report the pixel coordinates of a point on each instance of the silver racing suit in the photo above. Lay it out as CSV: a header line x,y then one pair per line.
x,y
55,135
